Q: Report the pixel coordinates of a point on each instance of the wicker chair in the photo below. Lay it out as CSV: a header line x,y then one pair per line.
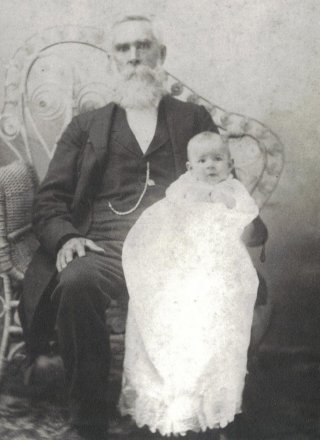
x,y
17,243
46,84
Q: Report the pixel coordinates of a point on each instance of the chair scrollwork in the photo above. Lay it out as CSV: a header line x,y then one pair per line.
x,y
66,70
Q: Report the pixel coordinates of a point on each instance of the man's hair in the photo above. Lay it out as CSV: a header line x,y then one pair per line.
x,y
154,26
207,135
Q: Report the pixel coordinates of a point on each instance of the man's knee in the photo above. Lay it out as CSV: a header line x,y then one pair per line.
x,y
81,285
89,280
79,275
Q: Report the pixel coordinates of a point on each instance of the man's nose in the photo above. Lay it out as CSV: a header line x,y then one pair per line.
x,y
134,62
134,58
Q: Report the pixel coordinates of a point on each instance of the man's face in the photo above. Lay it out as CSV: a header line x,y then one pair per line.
x,y
209,161
134,44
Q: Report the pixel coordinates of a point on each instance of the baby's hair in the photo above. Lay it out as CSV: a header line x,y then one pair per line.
x,y
207,135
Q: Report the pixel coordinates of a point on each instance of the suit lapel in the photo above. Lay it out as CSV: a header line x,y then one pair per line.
x,y
93,156
161,134
99,131
122,133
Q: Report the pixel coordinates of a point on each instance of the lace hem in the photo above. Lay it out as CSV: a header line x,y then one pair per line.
x,y
176,416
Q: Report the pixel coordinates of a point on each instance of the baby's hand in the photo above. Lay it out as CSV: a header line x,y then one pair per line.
x,y
224,198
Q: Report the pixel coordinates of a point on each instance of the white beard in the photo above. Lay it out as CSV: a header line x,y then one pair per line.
x,y
139,87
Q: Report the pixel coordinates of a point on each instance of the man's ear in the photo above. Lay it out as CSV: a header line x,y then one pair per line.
x,y
188,165
163,53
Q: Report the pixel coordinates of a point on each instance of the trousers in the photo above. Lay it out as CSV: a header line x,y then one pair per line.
x,y
77,305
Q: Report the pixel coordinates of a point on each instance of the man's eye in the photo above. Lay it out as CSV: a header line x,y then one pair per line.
x,y
143,45
202,160
122,48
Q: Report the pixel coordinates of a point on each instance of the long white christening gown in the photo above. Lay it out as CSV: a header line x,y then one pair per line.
x,y
192,289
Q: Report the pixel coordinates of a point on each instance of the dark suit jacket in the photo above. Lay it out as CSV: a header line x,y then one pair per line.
x,y
62,205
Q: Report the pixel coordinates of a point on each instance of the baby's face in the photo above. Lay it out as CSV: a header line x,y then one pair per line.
x,y
209,161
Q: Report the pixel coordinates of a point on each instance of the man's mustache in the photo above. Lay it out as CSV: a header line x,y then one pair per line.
x,y
139,86
138,72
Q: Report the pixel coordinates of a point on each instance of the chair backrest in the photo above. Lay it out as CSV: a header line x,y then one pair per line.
x,y
66,71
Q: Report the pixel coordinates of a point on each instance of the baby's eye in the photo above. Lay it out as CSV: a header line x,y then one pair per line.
x,y
202,160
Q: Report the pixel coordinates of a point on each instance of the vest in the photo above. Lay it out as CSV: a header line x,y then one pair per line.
x,y
124,177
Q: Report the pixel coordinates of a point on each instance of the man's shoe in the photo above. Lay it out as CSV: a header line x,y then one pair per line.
x,y
46,374
43,378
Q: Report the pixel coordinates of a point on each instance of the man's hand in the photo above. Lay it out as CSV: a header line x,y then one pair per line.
x,y
255,234
76,246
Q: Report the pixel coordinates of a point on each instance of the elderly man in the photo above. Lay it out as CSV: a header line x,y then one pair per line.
x,y
109,165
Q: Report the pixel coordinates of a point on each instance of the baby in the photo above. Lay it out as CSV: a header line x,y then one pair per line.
x,y
192,289
210,172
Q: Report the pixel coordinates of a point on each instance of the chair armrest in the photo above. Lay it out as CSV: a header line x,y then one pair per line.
x,y
16,190
5,256
19,232
6,264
